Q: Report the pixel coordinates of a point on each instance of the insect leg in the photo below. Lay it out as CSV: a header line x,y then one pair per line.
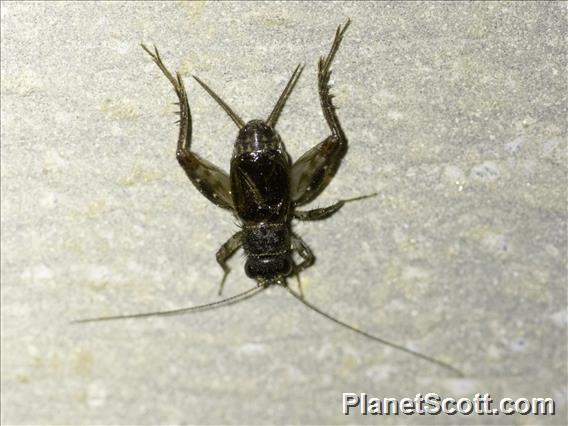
x,y
211,181
225,252
304,251
307,256
313,171
325,212
300,289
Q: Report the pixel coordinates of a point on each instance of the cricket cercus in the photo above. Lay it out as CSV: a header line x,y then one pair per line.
x,y
264,190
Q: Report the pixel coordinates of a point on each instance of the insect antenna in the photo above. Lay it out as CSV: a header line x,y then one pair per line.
x,y
208,306
375,338
273,117
238,120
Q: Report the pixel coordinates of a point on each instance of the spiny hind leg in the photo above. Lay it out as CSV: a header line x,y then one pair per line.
x,y
324,74
325,212
225,252
211,181
314,170
184,140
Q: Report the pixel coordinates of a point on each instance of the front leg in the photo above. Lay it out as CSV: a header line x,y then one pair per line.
x,y
313,171
225,252
211,181
325,212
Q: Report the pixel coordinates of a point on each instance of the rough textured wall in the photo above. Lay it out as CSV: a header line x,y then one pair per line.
x,y
456,116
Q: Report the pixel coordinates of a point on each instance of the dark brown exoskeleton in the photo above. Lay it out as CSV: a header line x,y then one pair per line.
x,y
264,189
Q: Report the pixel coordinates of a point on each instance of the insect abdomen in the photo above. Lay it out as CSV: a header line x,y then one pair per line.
x,y
267,246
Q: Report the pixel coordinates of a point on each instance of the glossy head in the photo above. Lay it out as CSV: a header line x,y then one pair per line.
x,y
256,135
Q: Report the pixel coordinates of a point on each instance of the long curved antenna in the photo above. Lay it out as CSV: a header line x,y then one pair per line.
x,y
375,338
273,117
225,302
238,120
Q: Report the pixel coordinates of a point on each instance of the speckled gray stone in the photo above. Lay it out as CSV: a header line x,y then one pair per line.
x,y
456,116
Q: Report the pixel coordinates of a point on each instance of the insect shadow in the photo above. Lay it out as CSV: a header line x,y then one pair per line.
x,y
264,190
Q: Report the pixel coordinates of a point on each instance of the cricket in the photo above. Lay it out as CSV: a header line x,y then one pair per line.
x,y
265,191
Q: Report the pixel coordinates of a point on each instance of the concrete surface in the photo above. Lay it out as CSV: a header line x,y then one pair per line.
x,y
456,115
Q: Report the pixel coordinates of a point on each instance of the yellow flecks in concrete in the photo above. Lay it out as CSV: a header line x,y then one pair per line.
x,y
23,378
415,274
71,245
454,176
95,209
186,68
24,83
54,362
407,246
471,156
405,243
119,109
489,239
531,286
51,361
275,19
37,361
454,250
349,362
392,273
477,233
74,246
193,8
139,174
82,397
97,286
54,162
83,362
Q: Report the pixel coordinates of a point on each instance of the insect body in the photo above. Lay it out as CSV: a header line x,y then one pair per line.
x,y
260,186
264,190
